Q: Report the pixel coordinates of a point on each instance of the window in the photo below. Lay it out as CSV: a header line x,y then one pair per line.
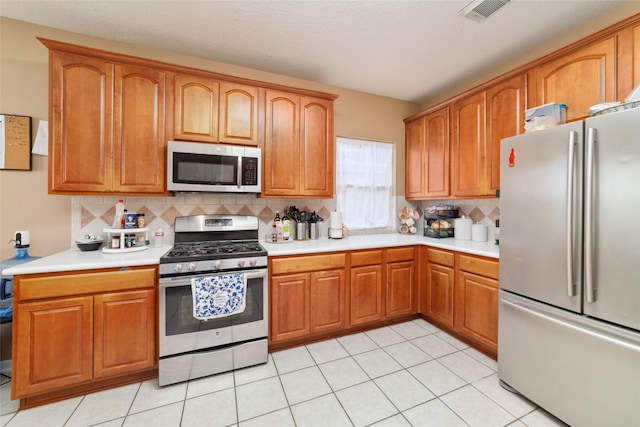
x,y
364,183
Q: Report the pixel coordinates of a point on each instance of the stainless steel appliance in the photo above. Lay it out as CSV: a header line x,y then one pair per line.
x,y
569,319
203,167
207,245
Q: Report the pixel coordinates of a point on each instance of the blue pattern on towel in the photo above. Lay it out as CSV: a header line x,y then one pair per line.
x,y
218,296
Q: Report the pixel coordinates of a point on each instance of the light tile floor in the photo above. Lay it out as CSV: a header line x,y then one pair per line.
x,y
410,374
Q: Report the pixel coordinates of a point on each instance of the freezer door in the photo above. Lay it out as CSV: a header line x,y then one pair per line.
x,y
612,224
540,215
583,371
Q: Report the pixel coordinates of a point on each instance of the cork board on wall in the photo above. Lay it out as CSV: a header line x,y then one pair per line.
x,y
15,142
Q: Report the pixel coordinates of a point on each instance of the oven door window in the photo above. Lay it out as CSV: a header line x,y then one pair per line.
x,y
179,310
205,169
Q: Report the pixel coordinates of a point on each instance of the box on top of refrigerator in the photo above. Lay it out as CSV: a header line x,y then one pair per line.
x,y
545,116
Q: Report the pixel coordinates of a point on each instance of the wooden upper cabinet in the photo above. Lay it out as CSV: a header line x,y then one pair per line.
x,y
208,110
427,156
317,147
414,150
468,147
628,61
505,118
298,154
80,116
281,156
238,114
579,79
107,127
195,105
139,142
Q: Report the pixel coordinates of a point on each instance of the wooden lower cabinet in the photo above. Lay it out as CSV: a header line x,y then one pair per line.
x,y
440,286
400,281
366,292
76,332
461,295
54,345
307,296
476,299
123,332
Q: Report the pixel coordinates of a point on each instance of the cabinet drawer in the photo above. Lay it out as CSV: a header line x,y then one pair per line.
x,y
361,258
480,266
400,254
51,286
308,263
437,256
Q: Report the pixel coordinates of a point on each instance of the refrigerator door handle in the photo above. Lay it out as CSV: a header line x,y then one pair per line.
x,y
588,215
593,333
573,140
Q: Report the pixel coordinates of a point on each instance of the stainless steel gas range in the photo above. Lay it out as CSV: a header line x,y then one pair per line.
x,y
207,246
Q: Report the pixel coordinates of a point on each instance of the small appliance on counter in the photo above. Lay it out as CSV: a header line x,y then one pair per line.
x,y
439,221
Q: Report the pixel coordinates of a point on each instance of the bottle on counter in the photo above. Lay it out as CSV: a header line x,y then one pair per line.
x,y
141,220
497,231
123,218
117,220
159,237
276,232
286,226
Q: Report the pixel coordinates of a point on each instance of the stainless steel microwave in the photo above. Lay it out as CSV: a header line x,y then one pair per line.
x,y
217,168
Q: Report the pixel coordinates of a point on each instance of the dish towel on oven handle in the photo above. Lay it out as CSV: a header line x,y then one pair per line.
x,y
218,296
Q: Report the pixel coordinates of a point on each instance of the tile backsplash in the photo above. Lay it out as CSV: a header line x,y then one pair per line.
x,y
91,214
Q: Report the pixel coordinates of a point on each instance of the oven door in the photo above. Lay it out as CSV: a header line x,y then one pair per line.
x,y
180,332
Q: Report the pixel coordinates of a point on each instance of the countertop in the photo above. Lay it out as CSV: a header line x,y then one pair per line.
x,y
74,259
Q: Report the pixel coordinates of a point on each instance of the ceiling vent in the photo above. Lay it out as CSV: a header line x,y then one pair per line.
x,y
480,10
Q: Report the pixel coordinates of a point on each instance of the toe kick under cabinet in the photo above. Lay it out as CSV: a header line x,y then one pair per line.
x,y
82,331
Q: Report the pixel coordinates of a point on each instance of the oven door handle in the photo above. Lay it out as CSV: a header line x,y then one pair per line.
x,y
182,280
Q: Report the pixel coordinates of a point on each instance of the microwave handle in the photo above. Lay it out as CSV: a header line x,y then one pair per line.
x,y
239,180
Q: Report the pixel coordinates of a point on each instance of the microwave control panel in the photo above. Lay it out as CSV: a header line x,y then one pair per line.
x,y
249,171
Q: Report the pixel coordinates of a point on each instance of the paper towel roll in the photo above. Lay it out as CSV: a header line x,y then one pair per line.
x,y
462,228
335,220
479,233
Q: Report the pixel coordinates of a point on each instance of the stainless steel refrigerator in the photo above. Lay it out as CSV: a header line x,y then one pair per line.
x,y
569,312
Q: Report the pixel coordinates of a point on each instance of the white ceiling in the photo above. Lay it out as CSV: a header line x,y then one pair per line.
x,y
409,50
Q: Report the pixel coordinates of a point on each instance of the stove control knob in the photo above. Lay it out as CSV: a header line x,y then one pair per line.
x,y
192,266
253,262
241,263
177,268
217,265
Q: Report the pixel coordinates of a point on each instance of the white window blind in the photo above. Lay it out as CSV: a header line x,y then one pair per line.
x,y
364,183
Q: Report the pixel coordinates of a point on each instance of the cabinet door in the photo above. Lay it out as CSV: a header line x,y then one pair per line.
x,y
437,153
400,288
628,61
468,150
327,301
81,97
316,147
579,79
366,294
477,308
427,156
505,117
139,143
290,306
124,332
238,114
440,287
281,154
195,108
53,345
415,157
